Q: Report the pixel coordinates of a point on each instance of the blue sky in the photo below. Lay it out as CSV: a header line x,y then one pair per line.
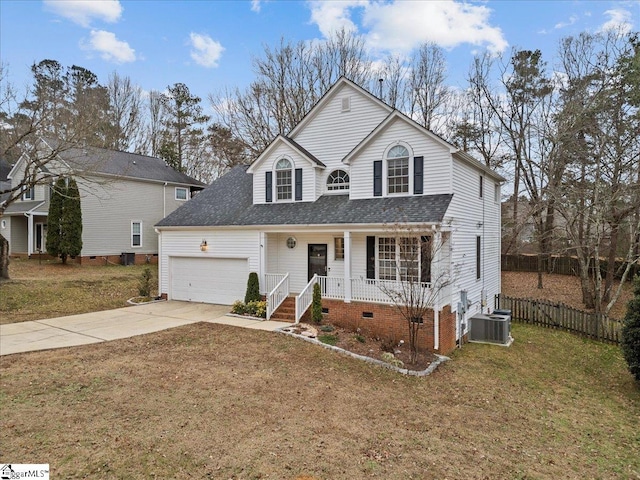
x,y
208,45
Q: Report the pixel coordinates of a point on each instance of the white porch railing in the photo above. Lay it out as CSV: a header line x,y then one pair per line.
x,y
304,299
332,287
382,291
277,295
271,280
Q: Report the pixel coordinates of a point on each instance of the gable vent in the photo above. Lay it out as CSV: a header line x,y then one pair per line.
x,y
346,104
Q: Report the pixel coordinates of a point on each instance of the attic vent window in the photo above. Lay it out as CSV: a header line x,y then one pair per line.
x,y
346,104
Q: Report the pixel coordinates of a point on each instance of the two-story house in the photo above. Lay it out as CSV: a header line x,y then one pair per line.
x,y
123,195
356,197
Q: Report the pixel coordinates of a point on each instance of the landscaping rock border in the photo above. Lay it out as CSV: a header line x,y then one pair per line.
x,y
405,371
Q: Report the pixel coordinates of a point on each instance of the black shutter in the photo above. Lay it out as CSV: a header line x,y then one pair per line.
x,y
298,184
377,178
371,257
418,182
425,270
268,186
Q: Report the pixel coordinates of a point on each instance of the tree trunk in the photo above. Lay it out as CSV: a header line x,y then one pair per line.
x,y
4,258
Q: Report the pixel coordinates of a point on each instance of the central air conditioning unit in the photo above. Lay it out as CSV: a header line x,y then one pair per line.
x,y
491,328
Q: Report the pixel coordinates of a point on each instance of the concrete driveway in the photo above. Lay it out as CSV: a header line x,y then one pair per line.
x,y
113,324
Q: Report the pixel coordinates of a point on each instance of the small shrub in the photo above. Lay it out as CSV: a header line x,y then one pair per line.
x,y
239,308
253,289
360,338
631,332
391,359
327,328
257,308
144,285
328,339
316,304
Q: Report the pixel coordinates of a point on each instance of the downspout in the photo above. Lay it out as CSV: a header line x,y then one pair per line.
x,y
436,307
164,199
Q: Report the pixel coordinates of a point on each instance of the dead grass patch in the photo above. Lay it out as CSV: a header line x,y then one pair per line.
x,y
557,288
49,289
211,401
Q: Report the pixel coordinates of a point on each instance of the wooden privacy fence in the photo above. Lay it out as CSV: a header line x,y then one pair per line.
x,y
557,264
560,316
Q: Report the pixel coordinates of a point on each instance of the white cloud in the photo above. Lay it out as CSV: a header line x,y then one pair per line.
x,y
83,12
572,19
255,6
206,51
331,16
619,19
399,26
109,47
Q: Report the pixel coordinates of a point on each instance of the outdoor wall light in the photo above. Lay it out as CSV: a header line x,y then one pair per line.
x,y
203,246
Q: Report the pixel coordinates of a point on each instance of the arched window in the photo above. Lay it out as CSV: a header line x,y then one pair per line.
x,y
338,180
283,179
398,170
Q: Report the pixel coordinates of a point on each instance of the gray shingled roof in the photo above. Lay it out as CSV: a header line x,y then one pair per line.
x,y
112,162
229,202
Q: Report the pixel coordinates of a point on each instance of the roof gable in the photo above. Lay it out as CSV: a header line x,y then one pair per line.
x,y
391,118
337,87
282,140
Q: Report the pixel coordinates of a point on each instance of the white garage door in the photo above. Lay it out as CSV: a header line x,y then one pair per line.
x,y
208,280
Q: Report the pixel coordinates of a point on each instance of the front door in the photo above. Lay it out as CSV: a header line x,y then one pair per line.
x,y
40,237
317,260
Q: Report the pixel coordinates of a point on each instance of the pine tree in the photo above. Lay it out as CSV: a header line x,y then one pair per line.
x,y
64,232
253,289
54,236
72,224
631,332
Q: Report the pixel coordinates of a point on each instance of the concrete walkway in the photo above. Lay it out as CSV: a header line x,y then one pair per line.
x,y
113,324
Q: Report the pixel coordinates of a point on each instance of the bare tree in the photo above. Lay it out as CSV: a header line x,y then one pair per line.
x,y
428,90
126,113
414,276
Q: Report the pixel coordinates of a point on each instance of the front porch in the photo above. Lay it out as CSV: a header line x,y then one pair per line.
x,y
363,276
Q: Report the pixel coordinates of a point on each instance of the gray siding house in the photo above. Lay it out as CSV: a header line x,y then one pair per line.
x,y
123,195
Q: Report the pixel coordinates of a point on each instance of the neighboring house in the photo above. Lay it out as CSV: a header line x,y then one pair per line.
x,y
122,196
343,200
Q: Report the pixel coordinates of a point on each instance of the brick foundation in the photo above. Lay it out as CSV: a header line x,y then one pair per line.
x,y
386,322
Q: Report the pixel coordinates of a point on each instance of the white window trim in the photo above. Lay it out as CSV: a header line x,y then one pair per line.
x,y
397,260
496,193
28,190
186,194
337,191
274,180
385,171
132,234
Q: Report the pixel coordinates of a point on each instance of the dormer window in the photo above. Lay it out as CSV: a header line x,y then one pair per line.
x,y
338,180
283,180
398,170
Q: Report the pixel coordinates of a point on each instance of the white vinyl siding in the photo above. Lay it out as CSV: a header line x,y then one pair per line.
x,y
474,217
437,161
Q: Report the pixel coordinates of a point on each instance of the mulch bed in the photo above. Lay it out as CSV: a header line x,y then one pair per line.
x,y
362,344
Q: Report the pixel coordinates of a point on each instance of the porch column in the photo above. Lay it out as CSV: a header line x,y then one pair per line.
x,y
436,272
30,234
347,267
263,261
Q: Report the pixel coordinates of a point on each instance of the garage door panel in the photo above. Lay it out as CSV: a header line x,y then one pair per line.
x,y
208,280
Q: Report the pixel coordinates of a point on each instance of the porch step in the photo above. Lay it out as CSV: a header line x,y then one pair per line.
x,y
286,312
